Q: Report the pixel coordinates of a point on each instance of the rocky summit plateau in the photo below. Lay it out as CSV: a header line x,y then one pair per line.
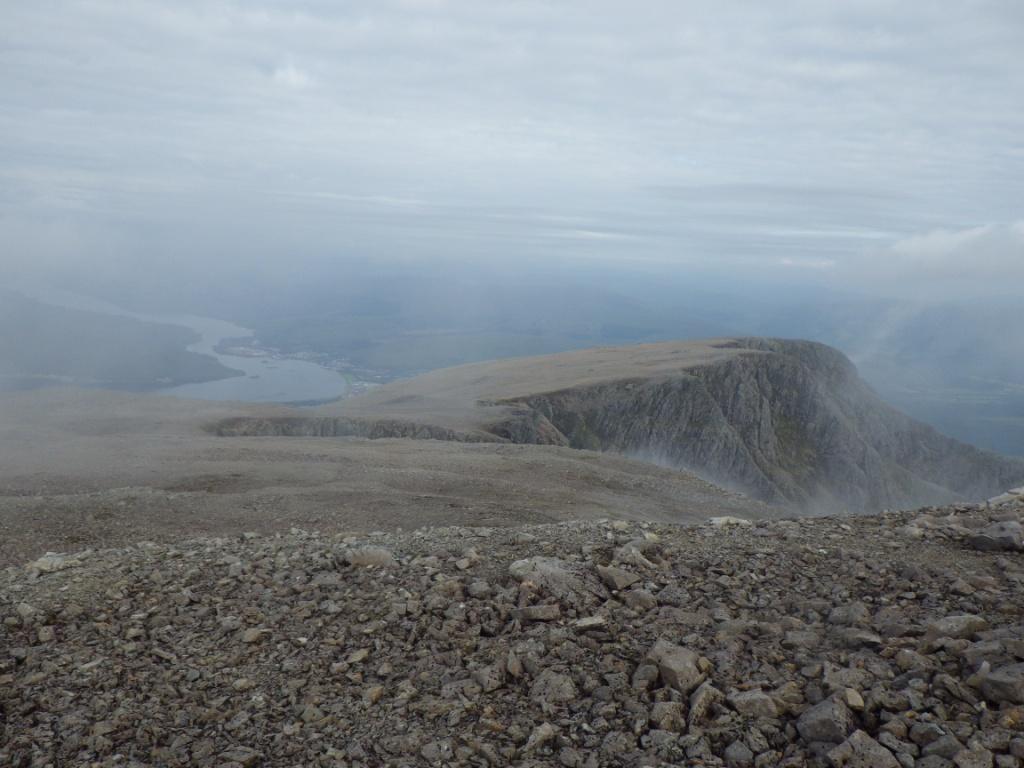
x,y
872,641
635,556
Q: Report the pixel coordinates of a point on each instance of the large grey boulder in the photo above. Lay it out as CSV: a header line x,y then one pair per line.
x,y
679,667
738,755
999,537
370,556
961,626
52,562
616,578
553,687
754,704
861,751
560,578
829,721
1005,684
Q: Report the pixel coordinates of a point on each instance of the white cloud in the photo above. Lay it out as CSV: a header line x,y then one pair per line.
x,y
593,234
808,263
795,129
970,261
940,243
291,76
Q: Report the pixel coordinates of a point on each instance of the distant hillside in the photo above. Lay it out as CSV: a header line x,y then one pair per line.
x,y
89,468
955,364
784,421
42,345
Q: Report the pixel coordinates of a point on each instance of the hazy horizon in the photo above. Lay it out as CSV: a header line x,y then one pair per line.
x,y
513,179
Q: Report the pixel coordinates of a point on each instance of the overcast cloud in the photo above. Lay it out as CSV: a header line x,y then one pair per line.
x,y
845,141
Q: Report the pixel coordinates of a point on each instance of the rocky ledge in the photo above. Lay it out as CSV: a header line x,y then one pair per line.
x,y
889,640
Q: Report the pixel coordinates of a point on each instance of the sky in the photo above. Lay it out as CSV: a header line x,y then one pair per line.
x,y
873,144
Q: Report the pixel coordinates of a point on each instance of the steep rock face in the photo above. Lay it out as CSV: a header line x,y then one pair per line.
x,y
783,421
787,422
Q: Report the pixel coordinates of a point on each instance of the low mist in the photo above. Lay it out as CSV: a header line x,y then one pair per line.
x,y
224,204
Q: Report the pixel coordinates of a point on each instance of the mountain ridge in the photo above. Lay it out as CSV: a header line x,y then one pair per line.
x,y
785,421
794,425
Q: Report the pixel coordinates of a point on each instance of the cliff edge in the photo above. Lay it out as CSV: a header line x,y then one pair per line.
x,y
783,421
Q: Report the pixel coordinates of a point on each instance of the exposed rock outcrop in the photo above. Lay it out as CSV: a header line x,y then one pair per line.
x,y
339,426
788,422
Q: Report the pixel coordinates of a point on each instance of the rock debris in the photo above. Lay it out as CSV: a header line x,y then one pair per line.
x,y
886,641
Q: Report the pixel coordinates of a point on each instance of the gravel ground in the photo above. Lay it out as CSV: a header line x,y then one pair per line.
x,y
888,640
101,469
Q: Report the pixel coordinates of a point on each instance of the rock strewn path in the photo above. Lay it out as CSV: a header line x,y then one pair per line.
x,y
894,640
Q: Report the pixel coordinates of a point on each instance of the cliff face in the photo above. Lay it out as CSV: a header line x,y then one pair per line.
x,y
790,423
786,422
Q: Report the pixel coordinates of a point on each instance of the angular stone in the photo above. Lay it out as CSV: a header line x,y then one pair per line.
x,y
829,720
244,756
852,698
639,599
312,714
553,687
358,656
370,556
945,746
727,521
861,751
543,612
958,627
490,678
253,635
849,615
588,623
645,676
616,578
1005,684
541,735
854,637
754,704
925,733
973,758
668,716
701,701
679,667
738,755
436,752
479,589
559,579
52,562
1006,536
